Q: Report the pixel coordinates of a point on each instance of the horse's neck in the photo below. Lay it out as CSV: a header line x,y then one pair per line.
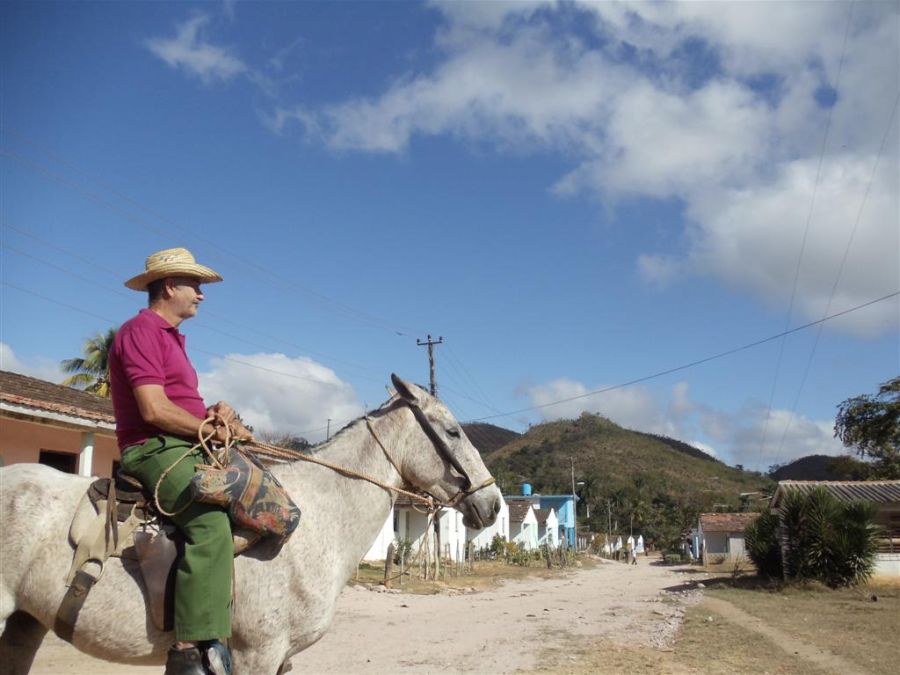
x,y
350,509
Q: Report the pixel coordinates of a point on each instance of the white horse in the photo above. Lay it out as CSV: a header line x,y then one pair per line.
x,y
284,599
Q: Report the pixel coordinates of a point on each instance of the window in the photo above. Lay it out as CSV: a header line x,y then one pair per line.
x,y
66,462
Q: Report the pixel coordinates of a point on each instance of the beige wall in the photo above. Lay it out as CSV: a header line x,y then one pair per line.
x,y
22,441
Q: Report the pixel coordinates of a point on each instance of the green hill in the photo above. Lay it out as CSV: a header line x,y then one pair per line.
x,y
822,467
641,482
488,437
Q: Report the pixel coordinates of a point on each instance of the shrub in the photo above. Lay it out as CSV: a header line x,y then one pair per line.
x,y
761,543
828,540
401,552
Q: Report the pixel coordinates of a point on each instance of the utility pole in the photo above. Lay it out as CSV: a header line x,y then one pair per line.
x,y
328,429
572,462
574,510
609,518
430,344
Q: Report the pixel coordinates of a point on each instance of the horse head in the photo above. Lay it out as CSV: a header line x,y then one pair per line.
x,y
441,460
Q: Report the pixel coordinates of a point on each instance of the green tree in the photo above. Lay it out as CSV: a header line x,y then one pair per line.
x,y
871,425
91,372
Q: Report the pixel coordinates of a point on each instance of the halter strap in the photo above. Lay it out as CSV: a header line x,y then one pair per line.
x,y
439,444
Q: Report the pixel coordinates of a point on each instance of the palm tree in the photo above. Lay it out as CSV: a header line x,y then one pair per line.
x,y
91,373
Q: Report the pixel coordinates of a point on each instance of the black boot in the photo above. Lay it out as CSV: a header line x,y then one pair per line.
x,y
185,662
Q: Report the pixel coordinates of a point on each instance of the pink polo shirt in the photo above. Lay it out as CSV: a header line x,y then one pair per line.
x,y
149,350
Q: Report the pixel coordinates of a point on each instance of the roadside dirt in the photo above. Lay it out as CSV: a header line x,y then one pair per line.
x,y
504,630
829,663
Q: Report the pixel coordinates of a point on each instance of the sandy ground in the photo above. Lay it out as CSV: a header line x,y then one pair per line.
x,y
516,627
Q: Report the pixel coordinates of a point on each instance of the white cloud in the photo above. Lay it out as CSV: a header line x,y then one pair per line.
x,y
41,368
631,407
740,437
758,440
742,158
277,393
752,237
188,51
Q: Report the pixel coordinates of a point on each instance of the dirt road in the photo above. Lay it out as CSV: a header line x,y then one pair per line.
x,y
518,626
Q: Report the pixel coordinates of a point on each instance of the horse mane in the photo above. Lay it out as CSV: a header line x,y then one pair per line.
x,y
377,412
384,408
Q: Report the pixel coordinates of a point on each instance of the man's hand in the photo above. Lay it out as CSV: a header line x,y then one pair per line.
x,y
223,412
240,432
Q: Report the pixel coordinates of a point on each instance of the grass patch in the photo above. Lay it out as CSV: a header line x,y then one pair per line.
x,y
486,575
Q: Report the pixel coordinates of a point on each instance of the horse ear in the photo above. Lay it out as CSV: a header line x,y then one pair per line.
x,y
405,390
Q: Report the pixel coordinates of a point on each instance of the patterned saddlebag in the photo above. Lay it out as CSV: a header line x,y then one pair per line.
x,y
249,492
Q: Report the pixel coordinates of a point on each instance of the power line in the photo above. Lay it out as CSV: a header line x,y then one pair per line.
x,y
320,298
457,363
840,274
521,410
698,362
198,324
116,323
809,215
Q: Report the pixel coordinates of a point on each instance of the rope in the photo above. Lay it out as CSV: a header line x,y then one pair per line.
x,y
289,454
203,442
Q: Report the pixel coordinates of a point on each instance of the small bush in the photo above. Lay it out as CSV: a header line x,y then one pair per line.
x,y
761,543
402,551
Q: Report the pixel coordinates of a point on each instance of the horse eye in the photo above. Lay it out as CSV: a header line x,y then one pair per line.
x,y
453,432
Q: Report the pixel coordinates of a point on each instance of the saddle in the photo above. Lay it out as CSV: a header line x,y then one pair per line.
x,y
116,518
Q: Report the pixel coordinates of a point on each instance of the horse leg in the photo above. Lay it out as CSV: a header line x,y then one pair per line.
x,y
22,635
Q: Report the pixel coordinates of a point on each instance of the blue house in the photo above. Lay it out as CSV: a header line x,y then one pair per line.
x,y
564,505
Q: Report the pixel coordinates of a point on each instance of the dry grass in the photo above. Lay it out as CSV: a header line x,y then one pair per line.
x,y
859,626
487,574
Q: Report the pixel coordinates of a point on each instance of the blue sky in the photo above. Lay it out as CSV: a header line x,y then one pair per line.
x,y
574,195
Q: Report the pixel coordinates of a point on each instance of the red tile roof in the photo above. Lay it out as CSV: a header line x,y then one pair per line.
x,y
30,392
725,522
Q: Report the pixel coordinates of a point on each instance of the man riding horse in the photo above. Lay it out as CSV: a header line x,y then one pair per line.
x,y
159,412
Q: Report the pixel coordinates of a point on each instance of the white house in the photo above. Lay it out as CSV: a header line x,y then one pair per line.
x,y
483,538
523,525
407,523
721,535
387,535
548,527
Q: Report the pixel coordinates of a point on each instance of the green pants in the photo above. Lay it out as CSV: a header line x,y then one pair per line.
x,y
203,577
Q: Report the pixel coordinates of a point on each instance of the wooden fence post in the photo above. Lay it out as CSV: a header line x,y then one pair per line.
x,y
389,565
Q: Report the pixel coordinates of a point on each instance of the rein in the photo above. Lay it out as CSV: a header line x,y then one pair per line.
x,y
440,445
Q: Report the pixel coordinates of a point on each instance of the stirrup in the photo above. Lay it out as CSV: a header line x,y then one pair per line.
x,y
216,657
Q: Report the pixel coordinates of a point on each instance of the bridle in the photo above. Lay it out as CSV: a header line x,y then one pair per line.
x,y
440,445
422,496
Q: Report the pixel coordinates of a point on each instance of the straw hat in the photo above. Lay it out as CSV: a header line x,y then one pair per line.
x,y
171,262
